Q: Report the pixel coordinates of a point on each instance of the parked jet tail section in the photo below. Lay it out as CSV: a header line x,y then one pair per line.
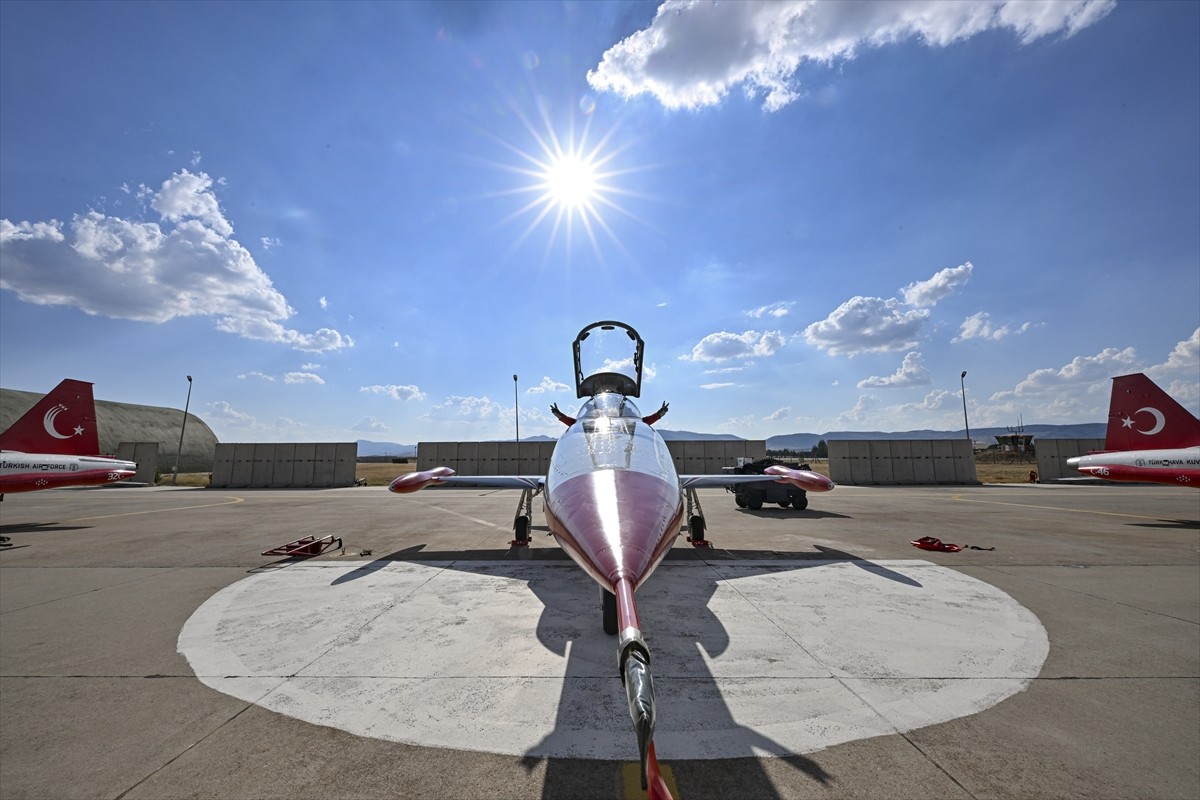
x,y
61,423
1141,416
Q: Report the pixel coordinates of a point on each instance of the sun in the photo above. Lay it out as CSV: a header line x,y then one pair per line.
x,y
571,182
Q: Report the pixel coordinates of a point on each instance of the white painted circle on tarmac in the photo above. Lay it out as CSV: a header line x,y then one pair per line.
x,y
768,658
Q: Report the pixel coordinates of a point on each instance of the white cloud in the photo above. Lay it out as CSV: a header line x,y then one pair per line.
x,y
910,373
548,384
866,325
324,302
223,412
923,294
716,385
1081,370
1184,358
723,345
371,425
739,422
302,377
257,374
979,326
776,310
310,367
467,409
186,196
396,392
694,53
189,265
270,242
778,414
863,410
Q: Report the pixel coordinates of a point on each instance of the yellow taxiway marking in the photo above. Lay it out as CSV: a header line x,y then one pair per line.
x,y
960,498
631,781
228,502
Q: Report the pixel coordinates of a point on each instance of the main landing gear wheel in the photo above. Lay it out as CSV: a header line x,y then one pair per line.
x,y
608,609
800,503
521,524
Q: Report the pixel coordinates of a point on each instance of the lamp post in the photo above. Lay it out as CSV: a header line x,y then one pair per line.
x,y
516,409
182,428
963,385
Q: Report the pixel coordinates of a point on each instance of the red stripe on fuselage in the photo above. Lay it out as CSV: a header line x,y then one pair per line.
x,y
615,523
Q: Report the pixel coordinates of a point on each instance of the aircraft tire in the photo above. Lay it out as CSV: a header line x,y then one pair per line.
x,y
521,528
608,609
800,502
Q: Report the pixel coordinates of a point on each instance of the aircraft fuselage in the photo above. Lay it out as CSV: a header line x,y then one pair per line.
x,y
28,472
1178,466
612,496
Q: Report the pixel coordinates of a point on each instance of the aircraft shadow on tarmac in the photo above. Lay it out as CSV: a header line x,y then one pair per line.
x,y
1174,524
739,773
40,527
783,513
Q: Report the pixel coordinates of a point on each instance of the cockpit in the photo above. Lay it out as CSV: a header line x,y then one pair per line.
x,y
608,404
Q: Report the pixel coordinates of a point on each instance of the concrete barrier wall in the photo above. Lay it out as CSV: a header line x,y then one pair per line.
x,y
259,465
692,457
146,456
901,461
1052,455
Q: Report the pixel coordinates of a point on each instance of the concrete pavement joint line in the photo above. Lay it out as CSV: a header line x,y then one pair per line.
x,y
367,623
507,657
456,513
182,752
229,502
962,499
721,579
1096,596
157,570
934,763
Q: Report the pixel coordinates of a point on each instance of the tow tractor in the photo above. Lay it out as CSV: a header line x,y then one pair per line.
x,y
756,495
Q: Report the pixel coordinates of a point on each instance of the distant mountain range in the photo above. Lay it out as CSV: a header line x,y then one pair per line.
x,y
807,441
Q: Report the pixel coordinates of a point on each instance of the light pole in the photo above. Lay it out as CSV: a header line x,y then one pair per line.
x,y
516,409
962,382
182,428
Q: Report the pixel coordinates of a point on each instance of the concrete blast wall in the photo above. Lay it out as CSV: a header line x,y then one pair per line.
x,y
533,458
1052,455
146,456
900,461
265,465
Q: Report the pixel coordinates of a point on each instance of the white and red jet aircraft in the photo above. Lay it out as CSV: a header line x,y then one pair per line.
x,y
1150,438
55,444
614,503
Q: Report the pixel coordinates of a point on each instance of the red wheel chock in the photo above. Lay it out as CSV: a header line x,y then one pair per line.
x,y
930,543
305,547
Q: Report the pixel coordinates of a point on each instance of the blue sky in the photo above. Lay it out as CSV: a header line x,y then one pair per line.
x,y
360,220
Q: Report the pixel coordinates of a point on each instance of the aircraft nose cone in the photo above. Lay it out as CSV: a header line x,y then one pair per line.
x,y
621,522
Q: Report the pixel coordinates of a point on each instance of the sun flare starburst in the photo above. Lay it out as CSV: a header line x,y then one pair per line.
x,y
573,184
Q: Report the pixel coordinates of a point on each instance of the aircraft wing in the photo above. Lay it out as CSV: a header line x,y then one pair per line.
x,y
800,478
444,476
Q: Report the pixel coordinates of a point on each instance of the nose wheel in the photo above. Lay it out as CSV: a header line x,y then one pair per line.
x,y
608,611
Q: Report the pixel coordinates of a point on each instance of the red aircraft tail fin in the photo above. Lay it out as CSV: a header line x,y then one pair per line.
x,y
1141,416
62,423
